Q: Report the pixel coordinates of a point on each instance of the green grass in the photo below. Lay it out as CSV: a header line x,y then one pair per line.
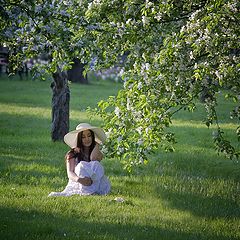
x,y
190,194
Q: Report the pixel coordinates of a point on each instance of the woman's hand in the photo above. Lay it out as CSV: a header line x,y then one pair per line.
x,y
77,150
86,181
96,154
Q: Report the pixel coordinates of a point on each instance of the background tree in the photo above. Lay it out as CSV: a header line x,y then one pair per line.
x,y
177,50
33,28
76,73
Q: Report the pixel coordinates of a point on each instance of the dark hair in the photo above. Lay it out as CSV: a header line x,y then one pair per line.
x,y
81,155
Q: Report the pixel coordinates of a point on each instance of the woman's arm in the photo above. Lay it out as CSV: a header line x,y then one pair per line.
x,y
96,154
70,165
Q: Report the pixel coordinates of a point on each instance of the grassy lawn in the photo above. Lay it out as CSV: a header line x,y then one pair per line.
x,y
190,194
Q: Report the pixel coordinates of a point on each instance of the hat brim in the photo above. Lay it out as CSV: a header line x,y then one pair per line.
x,y
71,138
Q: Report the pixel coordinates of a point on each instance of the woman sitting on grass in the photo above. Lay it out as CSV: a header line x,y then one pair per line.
x,y
84,170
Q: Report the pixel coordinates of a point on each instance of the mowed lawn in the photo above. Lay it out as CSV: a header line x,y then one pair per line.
x,y
190,194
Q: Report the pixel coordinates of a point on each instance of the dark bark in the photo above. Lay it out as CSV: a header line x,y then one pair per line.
x,y
60,106
75,74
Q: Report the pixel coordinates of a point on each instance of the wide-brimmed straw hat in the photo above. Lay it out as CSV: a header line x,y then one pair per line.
x,y
71,138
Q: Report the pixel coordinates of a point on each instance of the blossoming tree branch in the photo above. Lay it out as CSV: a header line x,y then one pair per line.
x,y
177,52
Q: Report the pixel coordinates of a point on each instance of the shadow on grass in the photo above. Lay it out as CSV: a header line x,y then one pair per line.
x,y
32,224
195,164
32,174
209,207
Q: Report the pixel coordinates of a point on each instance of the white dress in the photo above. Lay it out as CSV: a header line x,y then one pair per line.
x,y
95,171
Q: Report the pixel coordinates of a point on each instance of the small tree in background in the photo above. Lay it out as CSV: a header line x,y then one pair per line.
x,y
76,73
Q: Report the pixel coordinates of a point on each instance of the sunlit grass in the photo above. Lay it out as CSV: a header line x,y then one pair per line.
x,y
192,193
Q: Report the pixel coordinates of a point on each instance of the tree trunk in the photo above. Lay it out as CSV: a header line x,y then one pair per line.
x,y
60,106
75,74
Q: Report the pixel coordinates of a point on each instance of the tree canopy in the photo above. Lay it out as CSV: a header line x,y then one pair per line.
x,y
176,50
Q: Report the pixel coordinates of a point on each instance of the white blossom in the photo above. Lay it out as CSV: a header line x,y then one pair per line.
x,y
119,139
104,149
121,150
90,5
194,14
233,7
218,74
139,86
148,4
140,142
147,130
158,16
135,65
108,133
139,130
121,72
191,55
147,66
145,20
97,2
117,111
128,104
128,21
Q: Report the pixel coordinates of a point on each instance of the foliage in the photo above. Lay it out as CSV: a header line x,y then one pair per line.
x,y
176,51
185,195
